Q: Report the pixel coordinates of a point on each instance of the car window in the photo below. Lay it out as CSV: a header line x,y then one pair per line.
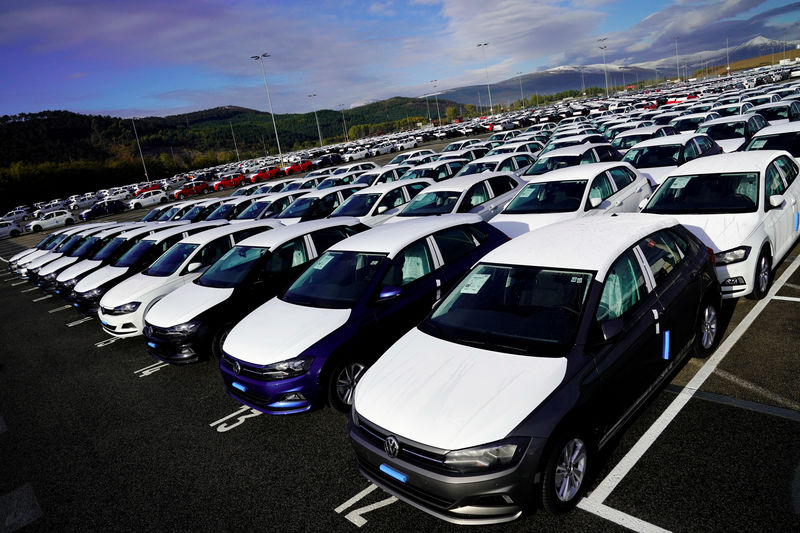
x,y
287,255
588,157
455,243
621,178
242,235
690,151
506,165
414,189
501,184
475,196
788,167
410,265
773,182
327,237
392,199
661,253
704,143
212,251
601,188
623,289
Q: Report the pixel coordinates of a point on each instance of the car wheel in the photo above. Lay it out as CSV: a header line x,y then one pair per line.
x,y
137,206
218,340
205,191
181,197
24,218
69,221
763,277
707,331
14,233
36,228
342,383
162,201
565,472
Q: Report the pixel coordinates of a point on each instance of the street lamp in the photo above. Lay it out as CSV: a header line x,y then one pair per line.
x,y
260,59
140,149
319,131
521,96
483,46
677,64
436,94
344,123
602,48
234,142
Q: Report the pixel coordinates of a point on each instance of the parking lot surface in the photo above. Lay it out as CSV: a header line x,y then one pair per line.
x,y
95,434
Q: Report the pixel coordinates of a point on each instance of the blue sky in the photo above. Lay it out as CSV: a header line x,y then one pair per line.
x,y
146,57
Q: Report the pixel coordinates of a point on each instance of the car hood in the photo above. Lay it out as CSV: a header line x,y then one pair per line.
x,y
100,277
185,303
32,256
778,121
58,264
731,145
78,268
515,225
23,253
278,330
44,259
721,232
137,286
452,396
289,221
656,175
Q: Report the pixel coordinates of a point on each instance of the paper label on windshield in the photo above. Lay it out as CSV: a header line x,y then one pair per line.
x,y
322,262
474,284
679,183
527,191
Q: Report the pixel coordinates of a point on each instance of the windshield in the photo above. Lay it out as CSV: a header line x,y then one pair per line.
x,y
775,113
335,280
168,214
327,183
171,261
357,205
518,309
415,173
233,267
299,207
253,210
84,247
548,197
367,179
192,213
727,130
431,203
454,147
623,143
55,242
398,159
221,213
108,249
477,168
654,156
781,141
706,194
152,215
546,164
135,253
687,124
67,245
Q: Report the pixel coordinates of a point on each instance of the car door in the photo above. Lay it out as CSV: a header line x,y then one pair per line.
x,y
473,201
628,310
600,190
778,221
628,195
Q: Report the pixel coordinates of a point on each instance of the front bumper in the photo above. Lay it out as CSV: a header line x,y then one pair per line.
x,y
280,397
736,279
173,349
127,325
418,477
84,305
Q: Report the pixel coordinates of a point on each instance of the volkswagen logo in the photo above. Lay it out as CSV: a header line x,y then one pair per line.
x,y
237,368
391,446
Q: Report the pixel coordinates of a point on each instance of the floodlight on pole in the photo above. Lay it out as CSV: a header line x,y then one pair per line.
x,y
677,64
234,142
140,149
521,95
602,46
483,46
319,131
344,123
260,58
436,95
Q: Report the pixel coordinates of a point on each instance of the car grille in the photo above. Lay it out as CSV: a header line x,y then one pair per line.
x,y
252,371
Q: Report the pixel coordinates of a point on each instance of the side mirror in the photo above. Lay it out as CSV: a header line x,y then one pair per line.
x,y
643,203
382,209
594,202
192,267
611,328
776,200
389,292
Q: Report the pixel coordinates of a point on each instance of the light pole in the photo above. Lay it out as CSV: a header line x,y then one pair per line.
x,y
428,107
436,95
234,142
602,46
727,56
583,83
344,123
260,59
140,149
483,46
677,64
319,131
521,95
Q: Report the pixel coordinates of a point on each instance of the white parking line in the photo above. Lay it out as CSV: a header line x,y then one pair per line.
x,y
43,298
356,498
110,340
81,321
607,485
29,290
761,391
62,308
19,283
618,517
788,298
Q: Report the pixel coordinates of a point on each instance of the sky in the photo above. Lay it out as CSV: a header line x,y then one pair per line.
x,y
154,58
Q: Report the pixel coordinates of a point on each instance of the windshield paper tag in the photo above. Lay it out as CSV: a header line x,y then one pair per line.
x,y
322,262
679,183
576,279
474,284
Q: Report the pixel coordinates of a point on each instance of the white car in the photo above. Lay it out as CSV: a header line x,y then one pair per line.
x,y
148,198
733,132
515,162
406,144
375,205
658,157
116,193
52,219
356,153
744,206
15,215
123,307
480,194
21,263
81,202
782,137
574,192
9,228
400,159
382,148
316,204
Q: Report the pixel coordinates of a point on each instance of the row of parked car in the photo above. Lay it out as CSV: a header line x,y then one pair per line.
x,y
489,332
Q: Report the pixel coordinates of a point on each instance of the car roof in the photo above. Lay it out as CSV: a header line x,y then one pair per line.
x,y
381,188
586,243
770,105
281,234
209,235
734,162
160,235
682,138
787,127
392,238
576,149
723,120
462,183
120,229
318,193
496,158
580,172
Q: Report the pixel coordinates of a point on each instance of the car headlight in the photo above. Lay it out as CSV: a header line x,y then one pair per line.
x,y
287,369
93,294
487,457
34,270
183,329
69,284
732,256
124,309
49,277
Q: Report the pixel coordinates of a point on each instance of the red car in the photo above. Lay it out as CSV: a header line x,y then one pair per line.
x,y
300,166
265,174
226,182
149,187
190,189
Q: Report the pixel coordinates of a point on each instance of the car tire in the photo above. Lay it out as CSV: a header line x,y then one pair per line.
x,y
181,197
707,330
163,201
137,206
218,340
342,382
763,275
14,233
205,191
36,229
69,222
565,473
24,218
